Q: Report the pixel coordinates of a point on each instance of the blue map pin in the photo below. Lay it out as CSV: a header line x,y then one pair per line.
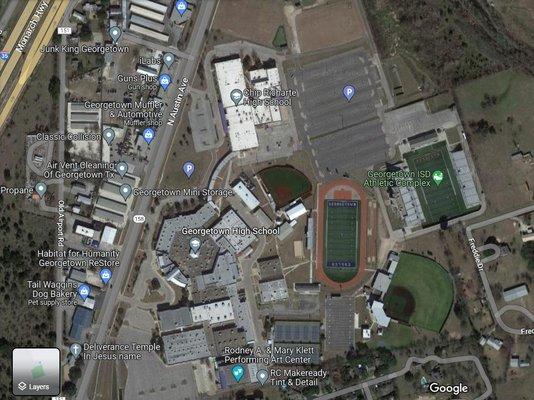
x,y
4,55
149,134
164,81
348,92
181,6
237,372
105,275
84,291
188,168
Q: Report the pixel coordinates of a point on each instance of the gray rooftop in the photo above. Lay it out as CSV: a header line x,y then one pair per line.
x,y
297,332
225,272
175,319
339,316
186,346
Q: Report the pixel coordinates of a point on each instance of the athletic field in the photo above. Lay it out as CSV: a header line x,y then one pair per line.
x,y
440,200
421,293
285,184
341,242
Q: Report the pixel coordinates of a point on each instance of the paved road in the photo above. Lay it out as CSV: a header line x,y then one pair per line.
x,y
407,367
161,144
497,313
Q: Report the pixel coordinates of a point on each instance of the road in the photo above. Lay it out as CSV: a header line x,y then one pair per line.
x,y
41,36
497,313
407,367
161,144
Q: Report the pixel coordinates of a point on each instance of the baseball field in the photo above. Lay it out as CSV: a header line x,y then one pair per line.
x,y
285,184
437,200
421,293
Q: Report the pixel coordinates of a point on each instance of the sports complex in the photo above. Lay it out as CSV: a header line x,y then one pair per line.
x,y
285,184
437,200
342,212
421,293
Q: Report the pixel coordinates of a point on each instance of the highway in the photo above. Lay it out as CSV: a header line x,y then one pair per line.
x,y
376,381
161,144
46,28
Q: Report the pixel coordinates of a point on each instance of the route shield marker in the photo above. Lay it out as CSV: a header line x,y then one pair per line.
x,y
149,134
349,91
437,177
40,189
105,275
126,191
181,7
238,372
164,81
84,291
109,135
188,168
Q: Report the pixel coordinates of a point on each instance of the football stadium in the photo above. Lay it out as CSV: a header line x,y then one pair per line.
x,y
437,200
342,233
341,239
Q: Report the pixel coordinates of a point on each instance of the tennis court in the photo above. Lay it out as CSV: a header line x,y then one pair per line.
x,y
445,199
341,243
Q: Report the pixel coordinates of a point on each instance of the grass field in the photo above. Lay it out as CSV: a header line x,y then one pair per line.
x,y
512,115
440,200
341,239
430,286
285,184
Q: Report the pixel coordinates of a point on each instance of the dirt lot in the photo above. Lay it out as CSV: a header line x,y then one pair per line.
x,y
328,25
252,20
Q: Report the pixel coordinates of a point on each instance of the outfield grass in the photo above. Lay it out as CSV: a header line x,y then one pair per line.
x,y
431,287
285,184
440,200
395,336
341,240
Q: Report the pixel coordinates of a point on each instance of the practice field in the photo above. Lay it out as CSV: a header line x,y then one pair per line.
x,y
285,184
421,293
341,241
440,200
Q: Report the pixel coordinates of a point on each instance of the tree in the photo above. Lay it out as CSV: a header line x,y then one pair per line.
x,y
75,373
527,252
53,87
69,388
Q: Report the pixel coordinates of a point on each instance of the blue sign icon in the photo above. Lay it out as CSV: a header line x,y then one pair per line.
x,y
4,55
105,275
188,168
181,6
164,81
148,135
238,372
349,91
84,291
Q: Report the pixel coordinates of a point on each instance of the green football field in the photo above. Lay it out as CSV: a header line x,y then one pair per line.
x,y
341,239
440,200
430,286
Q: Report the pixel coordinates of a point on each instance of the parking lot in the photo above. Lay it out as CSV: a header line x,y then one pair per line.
x,y
342,135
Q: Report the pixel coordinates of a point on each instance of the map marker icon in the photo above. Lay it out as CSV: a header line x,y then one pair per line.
x,y
126,191
84,291
262,375
115,32
238,372
40,188
121,168
349,91
76,349
109,135
188,168
236,95
168,59
181,7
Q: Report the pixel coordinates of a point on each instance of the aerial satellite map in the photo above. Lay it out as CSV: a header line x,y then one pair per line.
x,y
267,199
